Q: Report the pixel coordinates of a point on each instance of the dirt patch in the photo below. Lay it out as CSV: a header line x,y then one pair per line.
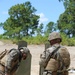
x,y
1,43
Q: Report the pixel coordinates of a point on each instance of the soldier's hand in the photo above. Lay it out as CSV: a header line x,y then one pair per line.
x,y
42,63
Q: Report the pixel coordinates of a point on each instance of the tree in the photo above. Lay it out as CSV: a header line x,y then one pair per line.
x,y
1,24
40,29
22,21
66,22
65,3
50,27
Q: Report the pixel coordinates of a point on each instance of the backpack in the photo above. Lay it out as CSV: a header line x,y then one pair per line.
x,y
64,57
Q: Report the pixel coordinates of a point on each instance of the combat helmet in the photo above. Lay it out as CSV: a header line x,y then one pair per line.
x,y
24,50
54,35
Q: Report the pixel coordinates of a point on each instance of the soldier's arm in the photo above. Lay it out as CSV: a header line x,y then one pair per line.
x,y
43,58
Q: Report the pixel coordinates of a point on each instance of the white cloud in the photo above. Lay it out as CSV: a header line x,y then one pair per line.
x,y
42,18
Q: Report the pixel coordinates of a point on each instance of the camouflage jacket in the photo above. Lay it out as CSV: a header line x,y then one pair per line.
x,y
60,57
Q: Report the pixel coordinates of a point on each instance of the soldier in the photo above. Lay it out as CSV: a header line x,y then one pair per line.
x,y
14,58
55,60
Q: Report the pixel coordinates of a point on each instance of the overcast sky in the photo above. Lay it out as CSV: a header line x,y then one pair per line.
x,y
49,10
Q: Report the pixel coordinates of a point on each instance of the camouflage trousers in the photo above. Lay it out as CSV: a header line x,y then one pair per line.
x,y
55,73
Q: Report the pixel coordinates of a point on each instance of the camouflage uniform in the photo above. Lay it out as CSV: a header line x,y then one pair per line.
x,y
58,63
13,60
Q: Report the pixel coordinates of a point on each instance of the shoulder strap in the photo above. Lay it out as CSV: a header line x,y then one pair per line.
x,y
54,51
50,55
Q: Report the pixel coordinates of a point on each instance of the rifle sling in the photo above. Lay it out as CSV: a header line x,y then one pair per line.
x,y
55,51
50,55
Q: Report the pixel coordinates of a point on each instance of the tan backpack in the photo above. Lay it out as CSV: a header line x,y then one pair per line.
x,y
64,57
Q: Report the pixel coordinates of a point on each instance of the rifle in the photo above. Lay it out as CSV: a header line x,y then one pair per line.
x,y
47,45
2,54
41,68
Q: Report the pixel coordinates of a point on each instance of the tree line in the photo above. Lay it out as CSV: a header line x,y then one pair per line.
x,y
23,24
